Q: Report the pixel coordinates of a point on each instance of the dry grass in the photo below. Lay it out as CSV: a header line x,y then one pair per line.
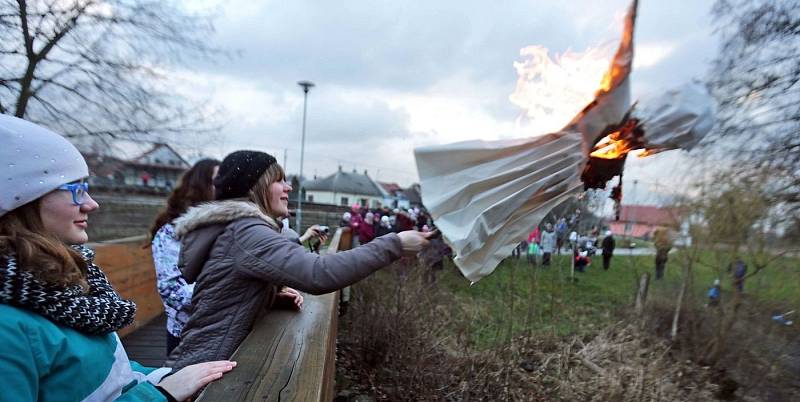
x,y
404,339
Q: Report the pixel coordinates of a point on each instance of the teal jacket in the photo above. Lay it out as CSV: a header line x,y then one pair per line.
x,y
44,361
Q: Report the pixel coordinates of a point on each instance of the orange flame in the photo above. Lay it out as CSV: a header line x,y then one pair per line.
x,y
616,146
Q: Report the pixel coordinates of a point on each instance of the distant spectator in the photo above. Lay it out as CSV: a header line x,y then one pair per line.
x,y
582,261
355,222
739,270
608,249
533,253
345,221
714,294
517,251
663,243
548,244
573,240
422,219
384,227
403,221
561,234
535,236
366,231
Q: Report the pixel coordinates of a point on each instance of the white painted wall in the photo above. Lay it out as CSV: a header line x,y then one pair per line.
x,y
328,197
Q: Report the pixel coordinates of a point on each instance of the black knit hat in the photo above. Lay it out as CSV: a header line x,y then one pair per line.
x,y
239,172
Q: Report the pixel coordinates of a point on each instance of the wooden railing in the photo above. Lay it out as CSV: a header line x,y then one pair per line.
x,y
288,355
129,267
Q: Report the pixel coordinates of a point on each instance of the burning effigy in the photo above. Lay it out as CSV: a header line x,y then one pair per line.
x,y
487,195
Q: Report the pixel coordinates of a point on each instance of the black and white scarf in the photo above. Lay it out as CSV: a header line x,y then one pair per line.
x,y
98,311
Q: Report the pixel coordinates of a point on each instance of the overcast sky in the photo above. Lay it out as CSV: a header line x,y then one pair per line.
x,y
392,75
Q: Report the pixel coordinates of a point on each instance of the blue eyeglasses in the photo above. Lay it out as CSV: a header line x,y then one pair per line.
x,y
78,191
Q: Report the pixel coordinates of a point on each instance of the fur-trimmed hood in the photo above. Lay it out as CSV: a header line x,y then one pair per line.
x,y
219,212
200,226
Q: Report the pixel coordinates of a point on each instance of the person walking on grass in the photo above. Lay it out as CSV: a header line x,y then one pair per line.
x,y
608,249
738,269
663,243
548,244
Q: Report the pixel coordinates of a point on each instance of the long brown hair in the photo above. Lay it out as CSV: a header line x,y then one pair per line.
x,y
259,194
22,233
194,187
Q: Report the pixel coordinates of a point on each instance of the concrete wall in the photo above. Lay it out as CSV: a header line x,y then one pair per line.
x,y
123,215
130,269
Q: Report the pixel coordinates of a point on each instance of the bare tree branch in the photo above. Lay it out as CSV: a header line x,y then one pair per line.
x,y
99,68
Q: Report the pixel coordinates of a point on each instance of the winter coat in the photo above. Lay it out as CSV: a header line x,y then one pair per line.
x,y
608,245
44,361
366,232
176,293
238,260
535,236
548,242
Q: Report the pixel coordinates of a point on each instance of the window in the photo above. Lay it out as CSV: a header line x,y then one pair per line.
x,y
363,202
345,201
310,198
628,227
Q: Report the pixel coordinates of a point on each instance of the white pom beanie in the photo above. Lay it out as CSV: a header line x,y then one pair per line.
x,y
33,162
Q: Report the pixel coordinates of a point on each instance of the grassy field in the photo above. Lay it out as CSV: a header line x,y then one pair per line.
x,y
517,299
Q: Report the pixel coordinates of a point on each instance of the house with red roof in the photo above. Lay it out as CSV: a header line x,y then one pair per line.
x,y
641,221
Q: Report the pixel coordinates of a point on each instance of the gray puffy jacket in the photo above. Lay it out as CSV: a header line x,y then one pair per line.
x,y
238,259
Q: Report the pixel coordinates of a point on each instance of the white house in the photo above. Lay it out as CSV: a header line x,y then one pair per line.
x,y
343,188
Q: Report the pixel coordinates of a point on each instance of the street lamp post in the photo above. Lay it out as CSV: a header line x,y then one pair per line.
x,y
306,85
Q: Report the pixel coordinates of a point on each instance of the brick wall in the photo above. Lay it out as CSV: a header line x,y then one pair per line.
x,y
130,269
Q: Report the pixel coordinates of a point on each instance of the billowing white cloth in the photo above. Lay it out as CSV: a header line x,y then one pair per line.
x,y
487,195
679,118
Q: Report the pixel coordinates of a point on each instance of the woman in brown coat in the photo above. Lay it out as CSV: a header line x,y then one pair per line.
x,y
234,251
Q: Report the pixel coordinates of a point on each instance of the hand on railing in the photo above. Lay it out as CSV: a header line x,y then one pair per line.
x,y
190,379
289,296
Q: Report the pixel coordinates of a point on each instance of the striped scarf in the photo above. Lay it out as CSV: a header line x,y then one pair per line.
x,y
98,311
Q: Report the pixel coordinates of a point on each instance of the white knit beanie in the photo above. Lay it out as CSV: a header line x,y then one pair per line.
x,y
33,162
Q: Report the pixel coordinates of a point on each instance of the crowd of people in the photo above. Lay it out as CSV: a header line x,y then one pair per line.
x,y
548,239
221,255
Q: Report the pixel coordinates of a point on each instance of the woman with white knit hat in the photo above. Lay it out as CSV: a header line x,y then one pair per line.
x,y
58,312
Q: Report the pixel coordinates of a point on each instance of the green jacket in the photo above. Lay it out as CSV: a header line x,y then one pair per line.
x,y
44,361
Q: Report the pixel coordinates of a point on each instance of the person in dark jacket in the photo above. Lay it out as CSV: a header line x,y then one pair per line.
x,y
663,243
384,227
608,249
366,231
234,252
739,270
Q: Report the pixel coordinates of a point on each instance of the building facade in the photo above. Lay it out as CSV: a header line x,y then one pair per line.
x,y
345,189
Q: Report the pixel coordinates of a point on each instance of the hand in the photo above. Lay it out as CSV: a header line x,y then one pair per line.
x,y
291,295
413,241
312,233
190,379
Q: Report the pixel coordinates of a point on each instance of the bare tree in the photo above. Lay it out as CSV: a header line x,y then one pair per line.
x,y
756,81
99,68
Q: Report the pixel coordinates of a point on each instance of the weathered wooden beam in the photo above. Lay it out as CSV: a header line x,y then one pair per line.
x,y
288,356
